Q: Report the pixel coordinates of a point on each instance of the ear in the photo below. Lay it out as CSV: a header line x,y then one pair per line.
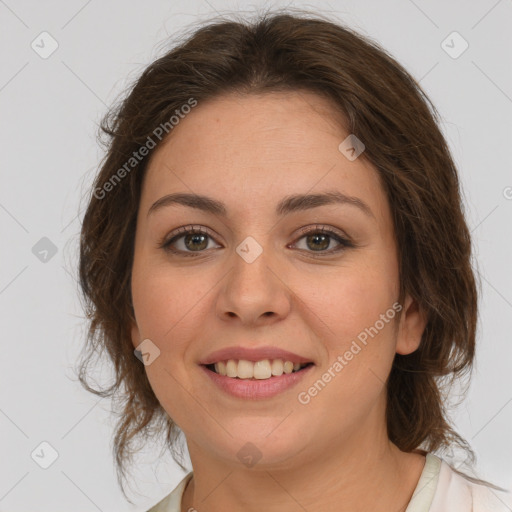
x,y
412,324
136,339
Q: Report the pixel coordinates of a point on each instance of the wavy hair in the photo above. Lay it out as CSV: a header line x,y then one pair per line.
x,y
380,103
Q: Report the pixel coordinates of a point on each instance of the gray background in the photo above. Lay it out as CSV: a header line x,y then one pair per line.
x,y
49,111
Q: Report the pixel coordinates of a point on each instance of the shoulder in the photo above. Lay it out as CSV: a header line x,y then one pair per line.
x,y
172,502
456,492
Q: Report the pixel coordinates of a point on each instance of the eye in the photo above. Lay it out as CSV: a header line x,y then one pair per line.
x,y
188,239
319,238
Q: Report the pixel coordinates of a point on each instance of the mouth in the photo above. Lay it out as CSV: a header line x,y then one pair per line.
x,y
265,369
258,380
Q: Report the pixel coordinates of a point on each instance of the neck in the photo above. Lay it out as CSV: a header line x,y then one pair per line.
x,y
366,473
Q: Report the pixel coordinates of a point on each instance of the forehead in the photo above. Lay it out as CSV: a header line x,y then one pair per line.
x,y
247,148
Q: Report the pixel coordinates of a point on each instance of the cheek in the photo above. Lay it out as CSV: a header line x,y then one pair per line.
x,y
170,314
167,303
354,317
348,300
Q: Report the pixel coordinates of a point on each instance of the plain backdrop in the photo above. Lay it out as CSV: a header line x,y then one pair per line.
x,y
50,108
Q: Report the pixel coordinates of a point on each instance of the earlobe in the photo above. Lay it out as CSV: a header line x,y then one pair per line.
x,y
412,325
135,335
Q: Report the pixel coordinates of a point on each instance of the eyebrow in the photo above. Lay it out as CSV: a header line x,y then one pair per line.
x,y
290,204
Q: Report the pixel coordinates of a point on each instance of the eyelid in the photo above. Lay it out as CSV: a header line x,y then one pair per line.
x,y
313,228
185,230
343,240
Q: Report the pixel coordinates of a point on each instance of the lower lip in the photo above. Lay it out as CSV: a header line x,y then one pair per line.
x,y
257,388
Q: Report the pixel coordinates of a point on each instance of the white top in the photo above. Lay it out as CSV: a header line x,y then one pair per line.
x,y
439,489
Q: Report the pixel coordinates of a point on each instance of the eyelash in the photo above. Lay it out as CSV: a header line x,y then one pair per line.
x,y
166,243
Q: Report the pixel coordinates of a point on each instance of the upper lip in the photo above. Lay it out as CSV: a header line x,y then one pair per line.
x,y
253,354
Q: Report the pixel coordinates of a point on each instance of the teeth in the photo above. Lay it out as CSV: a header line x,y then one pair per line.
x,y
220,368
264,369
288,367
245,369
231,368
261,369
277,367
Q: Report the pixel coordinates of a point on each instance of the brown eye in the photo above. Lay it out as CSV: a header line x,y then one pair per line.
x,y
189,240
319,239
196,241
193,240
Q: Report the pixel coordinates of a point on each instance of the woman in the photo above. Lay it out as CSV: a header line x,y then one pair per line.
x,y
277,234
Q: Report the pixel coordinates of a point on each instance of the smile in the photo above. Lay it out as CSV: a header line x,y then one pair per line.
x,y
264,369
256,380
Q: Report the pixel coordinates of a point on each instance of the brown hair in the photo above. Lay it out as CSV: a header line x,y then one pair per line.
x,y
386,109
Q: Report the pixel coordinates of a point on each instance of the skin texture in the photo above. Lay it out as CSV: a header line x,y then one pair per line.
x,y
333,453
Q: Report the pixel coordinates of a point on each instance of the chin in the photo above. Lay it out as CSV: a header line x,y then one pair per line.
x,y
252,446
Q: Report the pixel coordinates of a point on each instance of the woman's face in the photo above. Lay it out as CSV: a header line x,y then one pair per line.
x,y
262,275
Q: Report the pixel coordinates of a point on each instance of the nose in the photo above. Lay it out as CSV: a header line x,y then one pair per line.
x,y
255,291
